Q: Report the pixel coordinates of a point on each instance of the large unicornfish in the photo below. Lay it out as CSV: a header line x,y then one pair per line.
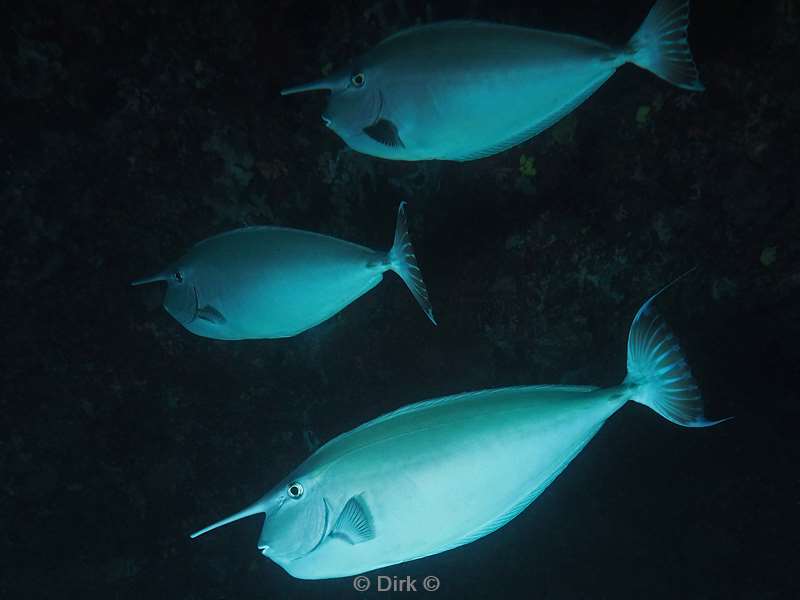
x,y
462,90
442,473
274,282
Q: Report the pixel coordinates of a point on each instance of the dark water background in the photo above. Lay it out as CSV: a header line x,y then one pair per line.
x,y
131,130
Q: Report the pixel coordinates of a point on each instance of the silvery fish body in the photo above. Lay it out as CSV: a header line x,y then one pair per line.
x,y
273,282
463,90
442,473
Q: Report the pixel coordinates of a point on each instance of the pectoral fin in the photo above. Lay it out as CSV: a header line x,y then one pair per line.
x,y
355,522
211,314
385,132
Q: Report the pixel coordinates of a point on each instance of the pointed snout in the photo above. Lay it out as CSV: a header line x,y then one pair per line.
x,y
152,279
321,84
258,507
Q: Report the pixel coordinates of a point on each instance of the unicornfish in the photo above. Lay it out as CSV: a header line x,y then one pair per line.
x,y
445,472
275,282
462,90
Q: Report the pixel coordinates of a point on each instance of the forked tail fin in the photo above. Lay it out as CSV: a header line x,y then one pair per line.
x,y
403,262
658,373
661,45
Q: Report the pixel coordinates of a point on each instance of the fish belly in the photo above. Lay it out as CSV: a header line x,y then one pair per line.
x,y
463,472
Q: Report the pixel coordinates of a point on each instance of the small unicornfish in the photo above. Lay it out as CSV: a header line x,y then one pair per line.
x,y
461,90
274,282
445,472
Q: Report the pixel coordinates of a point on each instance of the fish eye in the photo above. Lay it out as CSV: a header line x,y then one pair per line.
x,y
358,80
295,489
178,276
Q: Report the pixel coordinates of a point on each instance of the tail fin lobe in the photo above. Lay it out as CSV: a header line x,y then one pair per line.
x,y
661,45
403,262
658,371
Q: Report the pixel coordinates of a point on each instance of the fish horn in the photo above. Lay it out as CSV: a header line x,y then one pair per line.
x,y
152,279
254,509
321,84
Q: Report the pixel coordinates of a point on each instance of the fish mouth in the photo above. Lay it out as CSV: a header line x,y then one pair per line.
x,y
327,121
